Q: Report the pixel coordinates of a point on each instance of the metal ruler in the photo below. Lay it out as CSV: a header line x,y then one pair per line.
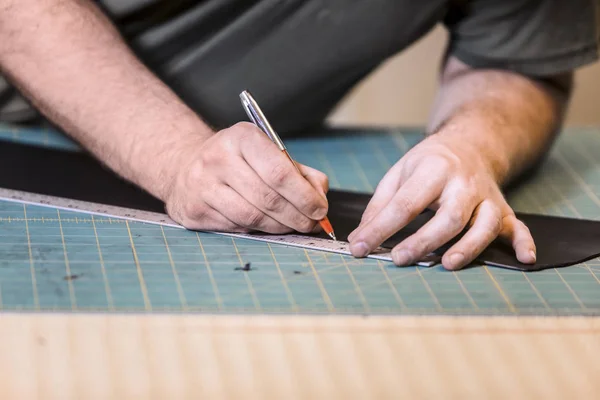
x,y
294,240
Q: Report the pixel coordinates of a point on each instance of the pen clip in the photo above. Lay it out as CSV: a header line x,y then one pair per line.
x,y
257,117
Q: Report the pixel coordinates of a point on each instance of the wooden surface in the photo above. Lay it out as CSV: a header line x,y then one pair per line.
x,y
65,356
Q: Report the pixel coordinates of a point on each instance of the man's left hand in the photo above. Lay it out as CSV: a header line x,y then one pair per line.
x,y
458,183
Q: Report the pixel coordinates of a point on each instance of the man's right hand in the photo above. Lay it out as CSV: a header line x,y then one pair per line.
x,y
239,181
85,79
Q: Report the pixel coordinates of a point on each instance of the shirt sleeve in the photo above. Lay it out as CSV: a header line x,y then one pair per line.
x,y
532,37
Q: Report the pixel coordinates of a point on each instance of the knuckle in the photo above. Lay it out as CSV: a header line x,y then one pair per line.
x,y
222,141
444,162
468,189
252,218
213,156
416,247
522,226
303,224
246,130
439,162
272,201
280,174
495,225
279,229
195,172
309,205
488,233
193,211
376,235
456,219
324,180
228,140
405,206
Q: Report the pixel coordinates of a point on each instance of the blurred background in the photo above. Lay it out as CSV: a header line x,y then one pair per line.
x,y
402,90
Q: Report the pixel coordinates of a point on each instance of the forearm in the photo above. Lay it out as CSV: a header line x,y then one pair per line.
x,y
508,120
68,59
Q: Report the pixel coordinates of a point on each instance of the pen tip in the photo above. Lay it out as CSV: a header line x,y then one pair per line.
x,y
333,236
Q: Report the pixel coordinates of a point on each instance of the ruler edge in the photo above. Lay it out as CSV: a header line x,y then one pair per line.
x,y
5,195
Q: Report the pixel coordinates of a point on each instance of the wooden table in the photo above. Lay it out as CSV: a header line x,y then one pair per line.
x,y
101,356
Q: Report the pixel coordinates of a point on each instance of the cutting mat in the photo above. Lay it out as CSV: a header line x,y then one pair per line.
x,y
61,261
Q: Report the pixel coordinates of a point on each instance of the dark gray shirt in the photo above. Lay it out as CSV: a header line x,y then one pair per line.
x,y
300,57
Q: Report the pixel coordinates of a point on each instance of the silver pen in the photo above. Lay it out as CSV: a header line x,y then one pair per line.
x,y
258,118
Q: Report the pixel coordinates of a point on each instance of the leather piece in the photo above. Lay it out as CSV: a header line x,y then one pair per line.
x,y
560,241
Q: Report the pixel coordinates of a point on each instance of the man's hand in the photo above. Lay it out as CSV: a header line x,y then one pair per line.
x,y
83,76
239,181
452,178
486,128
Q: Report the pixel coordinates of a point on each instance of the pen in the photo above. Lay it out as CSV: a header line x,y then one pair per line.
x,y
257,117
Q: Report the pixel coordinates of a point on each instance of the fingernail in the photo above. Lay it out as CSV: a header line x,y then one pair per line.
x,y
359,249
532,254
402,257
456,260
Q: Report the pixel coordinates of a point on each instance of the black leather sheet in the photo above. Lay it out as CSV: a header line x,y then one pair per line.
x,y
560,241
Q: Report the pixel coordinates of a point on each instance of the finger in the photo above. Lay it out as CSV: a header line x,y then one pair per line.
x,y
516,232
277,171
422,180
384,192
406,204
248,185
485,229
235,208
206,218
320,182
448,222
316,178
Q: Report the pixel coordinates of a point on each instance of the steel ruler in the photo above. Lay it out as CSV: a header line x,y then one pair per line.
x,y
110,211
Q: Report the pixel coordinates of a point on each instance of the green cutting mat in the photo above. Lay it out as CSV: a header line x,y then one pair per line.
x,y
63,261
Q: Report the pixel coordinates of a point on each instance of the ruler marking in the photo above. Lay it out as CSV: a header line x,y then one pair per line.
x,y
401,143
67,264
465,291
570,289
327,166
182,298
140,274
383,161
324,293
36,299
510,305
435,299
126,214
361,173
391,285
289,293
107,290
536,291
576,176
357,288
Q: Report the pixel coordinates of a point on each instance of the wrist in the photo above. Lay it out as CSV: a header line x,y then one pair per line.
x,y
472,144
156,163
